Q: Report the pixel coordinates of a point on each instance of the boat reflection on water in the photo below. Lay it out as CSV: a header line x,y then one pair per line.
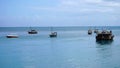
x,y
104,42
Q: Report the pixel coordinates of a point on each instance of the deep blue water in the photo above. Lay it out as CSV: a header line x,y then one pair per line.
x,y
73,48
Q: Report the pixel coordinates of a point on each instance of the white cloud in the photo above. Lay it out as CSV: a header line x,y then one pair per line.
x,y
94,1
78,3
69,3
112,4
81,6
89,5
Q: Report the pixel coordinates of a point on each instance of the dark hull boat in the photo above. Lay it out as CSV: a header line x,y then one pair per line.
x,y
89,32
104,35
96,31
32,32
53,34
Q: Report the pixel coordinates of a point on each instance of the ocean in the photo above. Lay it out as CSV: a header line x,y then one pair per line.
x,y
72,48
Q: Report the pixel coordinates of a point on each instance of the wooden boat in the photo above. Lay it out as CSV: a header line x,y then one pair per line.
x,y
89,31
32,32
105,35
12,36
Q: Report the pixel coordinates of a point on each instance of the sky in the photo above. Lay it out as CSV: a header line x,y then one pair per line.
x,y
22,13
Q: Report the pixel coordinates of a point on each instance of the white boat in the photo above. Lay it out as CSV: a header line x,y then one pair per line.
x,y
12,36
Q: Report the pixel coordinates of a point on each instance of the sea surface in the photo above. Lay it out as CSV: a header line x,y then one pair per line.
x,y
73,48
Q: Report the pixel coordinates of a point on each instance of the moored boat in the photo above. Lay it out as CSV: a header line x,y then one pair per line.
x,y
105,35
89,31
12,36
32,32
96,31
53,34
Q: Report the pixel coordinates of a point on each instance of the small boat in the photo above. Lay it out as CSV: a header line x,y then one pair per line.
x,y
104,35
12,36
96,31
89,31
32,32
53,34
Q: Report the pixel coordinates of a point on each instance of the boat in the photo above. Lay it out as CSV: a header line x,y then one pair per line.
x,y
89,31
32,32
104,35
53,34
12,36
96,31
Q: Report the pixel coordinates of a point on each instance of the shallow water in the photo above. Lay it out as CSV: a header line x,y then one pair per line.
x,y
73,48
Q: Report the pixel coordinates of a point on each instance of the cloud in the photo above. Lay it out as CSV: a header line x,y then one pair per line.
x,y
69,3
71,9
109,3
93,1
78,3
90,5
113,0
81,6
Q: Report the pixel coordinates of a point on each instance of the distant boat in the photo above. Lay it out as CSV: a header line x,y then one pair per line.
x,y
53,34
32,31
89,31
12,36
96,31
104,35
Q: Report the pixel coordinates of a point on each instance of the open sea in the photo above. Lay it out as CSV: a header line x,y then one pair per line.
x,y
73,48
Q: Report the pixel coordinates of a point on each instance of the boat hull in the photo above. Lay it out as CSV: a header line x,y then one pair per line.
x,y
32,32
12,36
53,35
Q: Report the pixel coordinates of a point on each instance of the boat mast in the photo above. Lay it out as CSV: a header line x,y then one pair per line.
x,y
30,28
51,29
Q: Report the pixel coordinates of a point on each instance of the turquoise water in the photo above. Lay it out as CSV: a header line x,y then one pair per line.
x,y
73,48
